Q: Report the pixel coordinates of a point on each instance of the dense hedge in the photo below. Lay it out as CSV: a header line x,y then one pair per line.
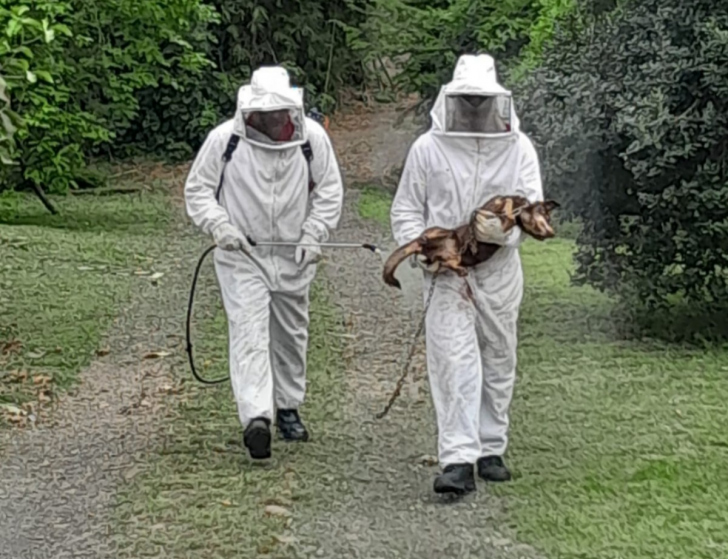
x,y
115,77
73,69
305,36
425,38
631,119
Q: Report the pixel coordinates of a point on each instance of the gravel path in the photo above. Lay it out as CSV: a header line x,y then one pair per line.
x,y
381,504
57,482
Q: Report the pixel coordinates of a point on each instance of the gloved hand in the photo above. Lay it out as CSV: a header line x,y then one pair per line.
x,y
489,228
229,237
310,253
420,260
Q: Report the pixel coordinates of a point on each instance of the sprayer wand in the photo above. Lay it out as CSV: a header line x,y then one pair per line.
x,y
367,246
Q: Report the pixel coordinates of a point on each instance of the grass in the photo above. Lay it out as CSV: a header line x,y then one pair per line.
x,y
201,495
374,204
64,279
619,446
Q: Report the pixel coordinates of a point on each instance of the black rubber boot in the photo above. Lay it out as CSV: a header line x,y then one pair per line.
x,y
257,438
290,426
456,478
492,468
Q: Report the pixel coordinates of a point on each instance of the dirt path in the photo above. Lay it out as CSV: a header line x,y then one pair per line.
x,y
57,482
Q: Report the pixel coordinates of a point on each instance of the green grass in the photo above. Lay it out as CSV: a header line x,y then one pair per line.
x,y
619,446
64,278
201,496
374,203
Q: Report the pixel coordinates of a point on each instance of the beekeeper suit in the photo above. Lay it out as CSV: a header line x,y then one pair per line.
x,y
265,290
473,151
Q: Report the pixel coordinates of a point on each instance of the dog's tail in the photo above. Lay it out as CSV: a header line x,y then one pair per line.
x,y
396,258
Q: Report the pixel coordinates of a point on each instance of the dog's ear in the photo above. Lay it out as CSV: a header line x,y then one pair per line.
x,y
550,205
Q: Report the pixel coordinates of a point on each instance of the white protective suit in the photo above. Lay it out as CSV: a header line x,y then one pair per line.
x,y
265,194
471,343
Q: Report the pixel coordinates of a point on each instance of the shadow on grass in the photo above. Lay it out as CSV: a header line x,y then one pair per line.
x,y
679,324
129,213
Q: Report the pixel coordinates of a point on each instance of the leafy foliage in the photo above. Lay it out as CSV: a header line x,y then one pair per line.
x,y
73,70
114,77
631,118
305,36
426,38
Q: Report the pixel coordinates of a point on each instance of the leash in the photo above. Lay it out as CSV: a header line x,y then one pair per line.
x,y
411,354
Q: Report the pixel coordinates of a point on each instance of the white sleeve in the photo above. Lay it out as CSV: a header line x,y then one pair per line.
x,y
407,215
202,182
327,198
528,185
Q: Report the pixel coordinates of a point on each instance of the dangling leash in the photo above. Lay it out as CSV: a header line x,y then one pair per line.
x,y
411,354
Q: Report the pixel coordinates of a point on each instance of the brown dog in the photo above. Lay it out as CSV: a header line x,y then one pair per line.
x,y
458,249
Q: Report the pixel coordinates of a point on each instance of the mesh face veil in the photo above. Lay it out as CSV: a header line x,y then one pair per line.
x,y
477,114
270,110
277,126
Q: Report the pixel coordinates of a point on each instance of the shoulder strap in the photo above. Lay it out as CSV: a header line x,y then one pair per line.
x,y
233,144
308,154
226,156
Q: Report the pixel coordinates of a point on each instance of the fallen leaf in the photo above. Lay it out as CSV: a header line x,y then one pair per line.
x,y
227,503
170,389
103,352
275,510
428,460
156,276
35,354
11,409
19,376
285,539
41,379
13,346
157,354
279,501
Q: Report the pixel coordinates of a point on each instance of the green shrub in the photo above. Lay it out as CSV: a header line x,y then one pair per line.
x,y
425,38
73,70
631,119
305,36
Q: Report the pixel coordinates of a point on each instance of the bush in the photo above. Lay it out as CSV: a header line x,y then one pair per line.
x,y
425,38
631,119
73,69
305,36
114,78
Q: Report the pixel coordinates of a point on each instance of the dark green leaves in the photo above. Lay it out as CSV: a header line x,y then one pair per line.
x,y
631,119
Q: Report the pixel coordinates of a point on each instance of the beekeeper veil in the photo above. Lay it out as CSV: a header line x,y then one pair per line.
x,y
474,104
270,111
